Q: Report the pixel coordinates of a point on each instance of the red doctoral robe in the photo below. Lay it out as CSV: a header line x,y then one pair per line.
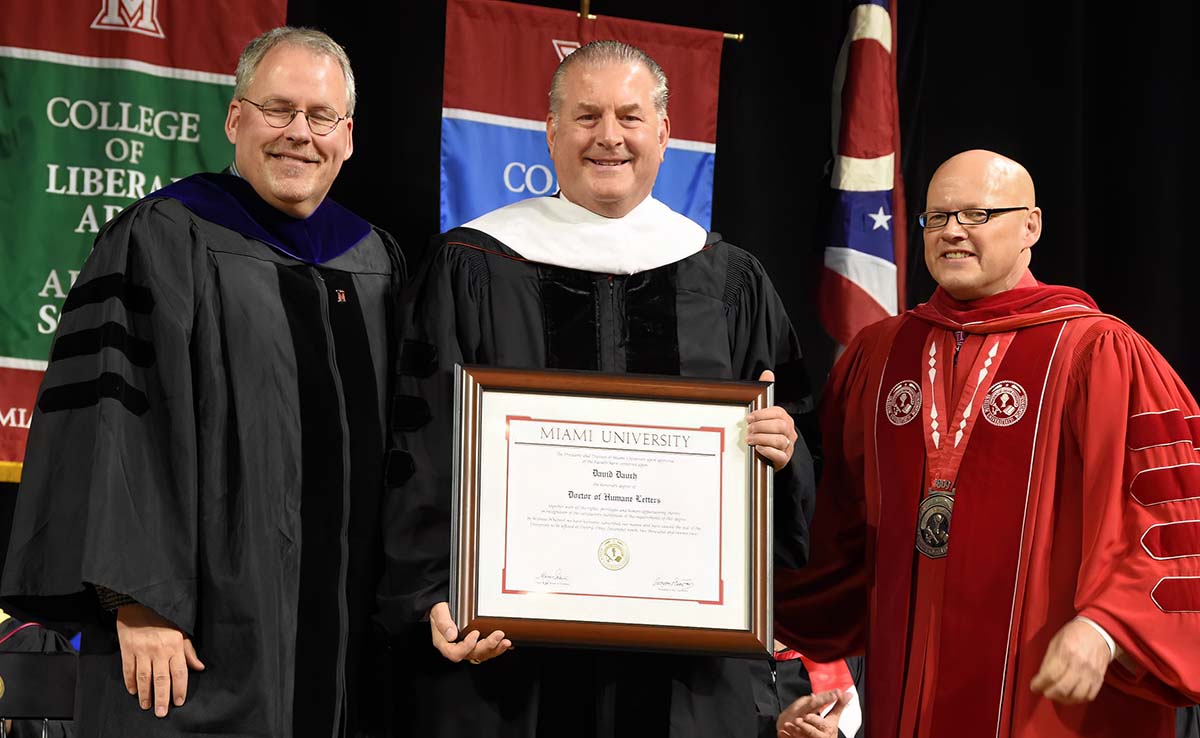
x,y
1078,494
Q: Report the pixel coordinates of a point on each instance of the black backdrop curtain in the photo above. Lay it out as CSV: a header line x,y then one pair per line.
x,y
1096,102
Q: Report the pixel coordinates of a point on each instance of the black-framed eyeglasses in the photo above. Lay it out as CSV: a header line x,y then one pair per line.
x,y
321,121
968,216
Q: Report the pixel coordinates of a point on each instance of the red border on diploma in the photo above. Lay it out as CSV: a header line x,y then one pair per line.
x,y
720,508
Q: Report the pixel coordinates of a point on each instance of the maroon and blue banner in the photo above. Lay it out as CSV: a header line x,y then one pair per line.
x,y
499,60
101,103
863,280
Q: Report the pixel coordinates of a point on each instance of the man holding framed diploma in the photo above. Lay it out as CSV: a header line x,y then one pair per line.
x,y
581,492
610,511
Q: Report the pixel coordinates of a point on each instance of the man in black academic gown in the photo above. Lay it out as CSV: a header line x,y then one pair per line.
x,y
602,277
202,483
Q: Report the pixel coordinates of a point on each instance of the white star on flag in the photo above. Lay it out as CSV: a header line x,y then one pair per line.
x,y
881,220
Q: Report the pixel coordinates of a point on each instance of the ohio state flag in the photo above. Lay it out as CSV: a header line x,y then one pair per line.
x,y
863,281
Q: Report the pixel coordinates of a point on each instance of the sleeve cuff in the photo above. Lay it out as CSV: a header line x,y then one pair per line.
x,y
1112,646
111,600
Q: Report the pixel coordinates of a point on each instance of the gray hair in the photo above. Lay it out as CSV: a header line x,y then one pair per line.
x,y
600,53
307,38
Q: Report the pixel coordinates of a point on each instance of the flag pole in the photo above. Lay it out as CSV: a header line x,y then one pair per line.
x,y
585,7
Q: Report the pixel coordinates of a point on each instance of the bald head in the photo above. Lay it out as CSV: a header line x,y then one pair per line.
x,y
978,260
984,175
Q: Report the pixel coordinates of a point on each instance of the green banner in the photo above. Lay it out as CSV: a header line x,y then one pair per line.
x,y
77,145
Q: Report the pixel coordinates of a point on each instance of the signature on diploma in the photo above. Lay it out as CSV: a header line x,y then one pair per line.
x,y
556,577
673,584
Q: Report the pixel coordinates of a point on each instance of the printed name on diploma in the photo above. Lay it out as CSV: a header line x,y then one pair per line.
x,y
614,474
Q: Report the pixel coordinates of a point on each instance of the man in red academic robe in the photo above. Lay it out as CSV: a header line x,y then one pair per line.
x,y
1008,521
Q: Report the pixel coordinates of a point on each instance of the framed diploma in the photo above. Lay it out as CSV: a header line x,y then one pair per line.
x,y
611,511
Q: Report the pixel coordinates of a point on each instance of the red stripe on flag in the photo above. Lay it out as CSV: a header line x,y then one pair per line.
x,y
867,105
845,308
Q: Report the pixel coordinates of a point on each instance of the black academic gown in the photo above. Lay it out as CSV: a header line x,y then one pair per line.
x,y
208,440
714,314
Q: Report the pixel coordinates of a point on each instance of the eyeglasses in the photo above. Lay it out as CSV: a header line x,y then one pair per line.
x,y
969,216
321,121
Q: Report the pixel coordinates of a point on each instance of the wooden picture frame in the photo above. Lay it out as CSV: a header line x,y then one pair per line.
x,y
501,486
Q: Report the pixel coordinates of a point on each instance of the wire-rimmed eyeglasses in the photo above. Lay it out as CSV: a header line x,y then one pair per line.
x,y
321,121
